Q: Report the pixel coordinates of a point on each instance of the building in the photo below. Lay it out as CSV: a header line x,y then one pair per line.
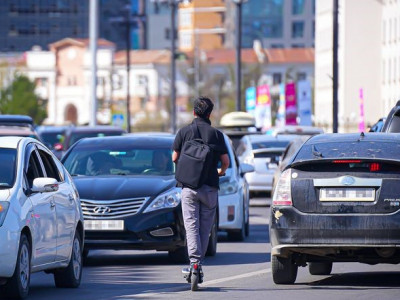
x,y
158,25
28,23
63,78
369,61
276,23
201,25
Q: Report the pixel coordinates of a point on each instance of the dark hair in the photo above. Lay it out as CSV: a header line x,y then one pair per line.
x,y
203,107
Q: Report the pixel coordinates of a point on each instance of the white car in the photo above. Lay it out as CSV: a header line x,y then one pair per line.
x,y
41,221
233,198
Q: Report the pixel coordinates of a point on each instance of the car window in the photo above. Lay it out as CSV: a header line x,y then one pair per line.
x,y
34,169
7,167
49,165
241,148
269,144
113,161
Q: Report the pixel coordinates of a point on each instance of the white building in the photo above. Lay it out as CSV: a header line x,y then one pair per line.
x,y
369,58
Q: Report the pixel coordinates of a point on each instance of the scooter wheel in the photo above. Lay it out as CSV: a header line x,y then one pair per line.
x,y
195,282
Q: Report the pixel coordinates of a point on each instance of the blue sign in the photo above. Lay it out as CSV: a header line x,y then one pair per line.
x,y
118,120
251,99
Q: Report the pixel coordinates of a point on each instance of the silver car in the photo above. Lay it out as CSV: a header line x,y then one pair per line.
x,y
263,152
41,222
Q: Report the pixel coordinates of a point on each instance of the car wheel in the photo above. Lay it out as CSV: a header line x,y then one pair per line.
x,y
70,277
179,255
238,235
284,271
320,268
213,240
18,285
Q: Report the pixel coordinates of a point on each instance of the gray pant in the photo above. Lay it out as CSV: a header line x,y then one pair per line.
x,y
198,208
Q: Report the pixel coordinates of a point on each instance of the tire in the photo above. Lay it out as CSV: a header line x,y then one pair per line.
x,y
320,268
179,255
284,271
238,235
70,277
247,225
17,287
213,240
194,283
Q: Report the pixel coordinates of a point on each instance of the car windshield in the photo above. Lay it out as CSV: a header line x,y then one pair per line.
x,y
115,160
269,144
7,167
76,136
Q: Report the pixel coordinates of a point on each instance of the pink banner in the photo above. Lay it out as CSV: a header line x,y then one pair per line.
x,y
263,96
361,122
291,104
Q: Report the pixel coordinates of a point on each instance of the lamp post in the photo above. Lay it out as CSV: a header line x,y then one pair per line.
x,y
238,44
335,70
93,28
128,19
173,7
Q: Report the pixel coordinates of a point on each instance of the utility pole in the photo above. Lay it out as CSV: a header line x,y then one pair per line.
x,y
238,65
93,33
335,66
173,5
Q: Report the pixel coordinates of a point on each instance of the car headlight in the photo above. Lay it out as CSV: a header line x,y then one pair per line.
x,y
227,188
169,199
3,211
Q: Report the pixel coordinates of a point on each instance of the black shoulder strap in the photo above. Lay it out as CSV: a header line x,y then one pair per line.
x,y
198,131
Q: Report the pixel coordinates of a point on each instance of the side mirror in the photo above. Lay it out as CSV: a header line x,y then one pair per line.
x,y
246,168
44,185
58,147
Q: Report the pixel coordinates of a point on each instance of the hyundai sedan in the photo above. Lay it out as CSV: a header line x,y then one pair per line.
x,y
128,193
337,200
41,222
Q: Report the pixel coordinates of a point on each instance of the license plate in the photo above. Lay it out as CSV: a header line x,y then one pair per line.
x,y
347,194
103,225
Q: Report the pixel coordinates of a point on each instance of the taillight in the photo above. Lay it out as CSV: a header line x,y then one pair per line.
x,y
283,194
374,167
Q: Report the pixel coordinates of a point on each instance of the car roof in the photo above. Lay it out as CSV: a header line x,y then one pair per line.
x,y
98,128
10,141
16,130
269,138
351,137
126,140
20,119
44,129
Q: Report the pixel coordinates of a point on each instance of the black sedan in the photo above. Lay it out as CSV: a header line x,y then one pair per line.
x,y
128,194
337,201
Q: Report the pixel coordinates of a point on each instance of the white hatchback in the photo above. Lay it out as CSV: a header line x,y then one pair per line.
x,y
41,222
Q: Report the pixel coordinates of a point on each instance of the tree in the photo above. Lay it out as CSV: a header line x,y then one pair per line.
x,y
20,98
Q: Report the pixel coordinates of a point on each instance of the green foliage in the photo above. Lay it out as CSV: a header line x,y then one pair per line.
x,y
20,98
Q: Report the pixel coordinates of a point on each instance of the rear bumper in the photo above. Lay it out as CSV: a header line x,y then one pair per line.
x,y
226,221
292,230
259,181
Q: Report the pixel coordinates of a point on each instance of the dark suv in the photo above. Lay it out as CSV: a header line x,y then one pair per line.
x,y
392,123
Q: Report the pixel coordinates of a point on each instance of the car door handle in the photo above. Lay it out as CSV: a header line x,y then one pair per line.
x,y
71,198
52,204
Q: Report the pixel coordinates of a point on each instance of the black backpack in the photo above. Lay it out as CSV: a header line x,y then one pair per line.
x,y
195,161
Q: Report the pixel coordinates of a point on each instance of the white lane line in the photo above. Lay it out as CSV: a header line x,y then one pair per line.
x,y
207,283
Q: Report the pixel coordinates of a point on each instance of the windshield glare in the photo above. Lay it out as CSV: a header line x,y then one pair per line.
x,y
7,167
120,162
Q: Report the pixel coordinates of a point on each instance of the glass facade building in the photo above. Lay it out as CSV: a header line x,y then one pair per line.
x,y
27,23
278,23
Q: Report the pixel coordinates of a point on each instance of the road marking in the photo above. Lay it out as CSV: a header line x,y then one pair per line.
x,y
206,284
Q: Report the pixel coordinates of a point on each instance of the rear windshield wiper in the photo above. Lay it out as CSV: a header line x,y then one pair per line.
x,y
316,153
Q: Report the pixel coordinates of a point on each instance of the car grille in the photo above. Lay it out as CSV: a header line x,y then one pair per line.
x,y
111,209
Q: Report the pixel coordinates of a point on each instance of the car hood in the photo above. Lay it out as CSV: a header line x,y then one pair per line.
x,y
4,195
122,187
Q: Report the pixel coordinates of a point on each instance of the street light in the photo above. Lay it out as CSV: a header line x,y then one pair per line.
x,y
238,65
173,6
128,19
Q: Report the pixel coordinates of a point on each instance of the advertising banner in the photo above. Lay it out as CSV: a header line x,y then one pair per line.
x,y
291,104
251,99
304,102
361,122
263,108
280,115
